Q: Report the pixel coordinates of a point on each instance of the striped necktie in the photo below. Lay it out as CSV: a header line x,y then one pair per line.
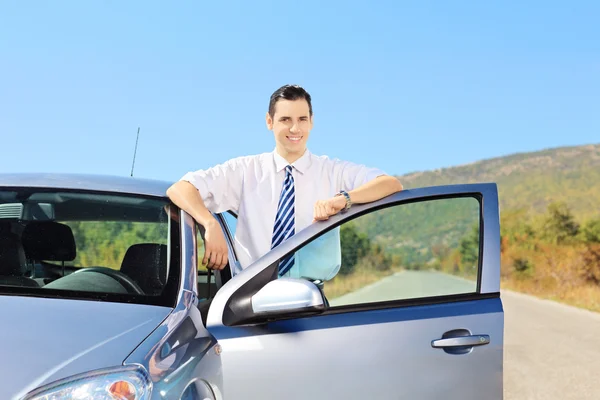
x,y
284,220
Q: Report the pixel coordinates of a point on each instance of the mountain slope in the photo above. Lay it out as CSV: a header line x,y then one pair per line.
x,y
531,181
527,181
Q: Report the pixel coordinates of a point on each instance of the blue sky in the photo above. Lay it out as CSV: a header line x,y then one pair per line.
x,y
401,85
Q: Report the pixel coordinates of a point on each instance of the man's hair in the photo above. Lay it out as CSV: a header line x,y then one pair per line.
x,y
289,92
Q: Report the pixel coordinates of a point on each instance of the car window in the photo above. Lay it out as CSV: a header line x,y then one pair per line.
x,y
231,222
108,246
408,251
104,243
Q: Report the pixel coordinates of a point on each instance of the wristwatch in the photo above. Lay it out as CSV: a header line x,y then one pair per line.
x,y
347,196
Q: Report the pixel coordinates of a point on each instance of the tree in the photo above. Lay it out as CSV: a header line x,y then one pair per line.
x,y
590,233
559,226
469,247
355,245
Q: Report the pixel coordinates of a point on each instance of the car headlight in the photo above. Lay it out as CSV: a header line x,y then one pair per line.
x,y
122,383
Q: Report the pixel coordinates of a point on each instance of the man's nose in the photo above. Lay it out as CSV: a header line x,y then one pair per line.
x,y
295,128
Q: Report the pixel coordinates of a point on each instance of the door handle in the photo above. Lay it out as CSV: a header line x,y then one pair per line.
x,y
461,341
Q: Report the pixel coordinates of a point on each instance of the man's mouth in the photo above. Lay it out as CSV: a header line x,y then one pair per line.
x,y
294,138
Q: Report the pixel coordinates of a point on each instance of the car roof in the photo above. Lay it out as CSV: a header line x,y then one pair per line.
x,y
72,181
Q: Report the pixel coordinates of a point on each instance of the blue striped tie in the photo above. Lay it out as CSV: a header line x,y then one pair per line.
x,y
284,220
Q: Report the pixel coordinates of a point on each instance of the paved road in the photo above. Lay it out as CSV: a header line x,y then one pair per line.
x,y
408,285
551,351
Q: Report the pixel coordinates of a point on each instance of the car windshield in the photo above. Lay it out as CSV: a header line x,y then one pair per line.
x,y
86,245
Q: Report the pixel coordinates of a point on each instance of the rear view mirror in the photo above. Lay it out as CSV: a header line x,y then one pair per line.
x,y
38,212
288,296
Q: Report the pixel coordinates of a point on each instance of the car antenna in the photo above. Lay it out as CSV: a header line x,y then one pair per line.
x,y
135,150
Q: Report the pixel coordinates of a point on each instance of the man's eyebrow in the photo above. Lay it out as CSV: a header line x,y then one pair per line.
x,y
288,117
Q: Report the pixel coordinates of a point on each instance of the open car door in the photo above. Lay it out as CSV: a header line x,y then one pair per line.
x,y
413,311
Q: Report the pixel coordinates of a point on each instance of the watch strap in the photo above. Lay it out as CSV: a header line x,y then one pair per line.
x,y
347,196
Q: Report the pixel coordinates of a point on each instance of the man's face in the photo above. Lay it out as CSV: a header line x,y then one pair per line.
x,y
291,125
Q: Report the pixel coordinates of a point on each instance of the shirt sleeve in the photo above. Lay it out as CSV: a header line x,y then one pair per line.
x,y
220,186
353,175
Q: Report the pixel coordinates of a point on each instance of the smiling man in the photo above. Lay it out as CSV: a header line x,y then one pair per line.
x,y
279,193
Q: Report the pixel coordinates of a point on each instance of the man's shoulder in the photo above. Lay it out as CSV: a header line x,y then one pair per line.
x,y
325,160
250,159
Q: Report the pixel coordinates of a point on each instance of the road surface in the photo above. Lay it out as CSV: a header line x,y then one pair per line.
x,y
551,351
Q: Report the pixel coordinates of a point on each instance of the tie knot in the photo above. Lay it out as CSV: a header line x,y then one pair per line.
x,y
288,170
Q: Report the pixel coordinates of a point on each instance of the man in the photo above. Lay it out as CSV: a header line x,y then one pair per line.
x,y
279,193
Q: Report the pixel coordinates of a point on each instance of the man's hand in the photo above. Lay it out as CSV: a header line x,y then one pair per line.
x,y
215,246
326,208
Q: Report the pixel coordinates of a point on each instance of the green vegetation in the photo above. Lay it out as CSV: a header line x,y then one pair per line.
x,y
531,181
104,243
554,255
419,233
550,225
358,249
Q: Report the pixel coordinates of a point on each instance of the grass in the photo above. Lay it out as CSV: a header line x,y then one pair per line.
x,y
564,273
586,296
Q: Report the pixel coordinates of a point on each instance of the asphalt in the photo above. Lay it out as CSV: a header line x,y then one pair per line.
x,y
551,351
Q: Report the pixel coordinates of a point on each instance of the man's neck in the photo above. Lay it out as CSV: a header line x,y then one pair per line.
x,y
290,157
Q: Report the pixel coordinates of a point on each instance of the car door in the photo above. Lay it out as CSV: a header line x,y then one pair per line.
x,y
414,310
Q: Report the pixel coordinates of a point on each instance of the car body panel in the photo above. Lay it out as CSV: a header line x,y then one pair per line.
x,y
181,352
46,339
370,350
380,354
102,183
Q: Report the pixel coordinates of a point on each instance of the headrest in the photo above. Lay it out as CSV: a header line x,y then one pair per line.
x,y
146,263
4,228
48,240
12,258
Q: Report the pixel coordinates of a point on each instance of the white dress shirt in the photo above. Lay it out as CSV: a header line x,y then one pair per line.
x,y
251,185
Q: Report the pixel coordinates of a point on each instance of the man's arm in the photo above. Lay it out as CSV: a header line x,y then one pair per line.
x,y
373,190
185,195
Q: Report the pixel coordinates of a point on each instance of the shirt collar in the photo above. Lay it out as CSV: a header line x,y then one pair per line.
x,y
301,164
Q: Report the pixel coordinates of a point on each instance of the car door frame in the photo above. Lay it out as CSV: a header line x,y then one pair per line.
x,y
263,270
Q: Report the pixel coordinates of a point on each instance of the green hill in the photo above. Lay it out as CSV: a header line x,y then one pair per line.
x,y
530,181
526,181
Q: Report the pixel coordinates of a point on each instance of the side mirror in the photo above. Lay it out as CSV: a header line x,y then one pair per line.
x,y
288,296
278,299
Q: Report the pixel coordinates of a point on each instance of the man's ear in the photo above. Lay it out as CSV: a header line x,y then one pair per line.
x,y
269,121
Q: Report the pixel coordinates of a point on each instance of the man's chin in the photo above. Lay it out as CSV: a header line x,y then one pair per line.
x,y
297,150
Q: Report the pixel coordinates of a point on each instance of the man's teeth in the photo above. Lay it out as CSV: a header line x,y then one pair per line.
x,y
295,139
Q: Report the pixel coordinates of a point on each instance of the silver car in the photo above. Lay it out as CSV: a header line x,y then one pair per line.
x,y
103,296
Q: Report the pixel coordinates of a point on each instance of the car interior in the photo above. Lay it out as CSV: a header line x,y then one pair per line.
x,y
36,258
38,252
84,242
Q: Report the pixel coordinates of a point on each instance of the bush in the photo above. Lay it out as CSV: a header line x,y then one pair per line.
x,y
591,263
559,226
522,265
590,233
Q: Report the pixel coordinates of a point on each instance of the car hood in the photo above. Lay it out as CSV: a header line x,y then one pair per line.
x,y
44,340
